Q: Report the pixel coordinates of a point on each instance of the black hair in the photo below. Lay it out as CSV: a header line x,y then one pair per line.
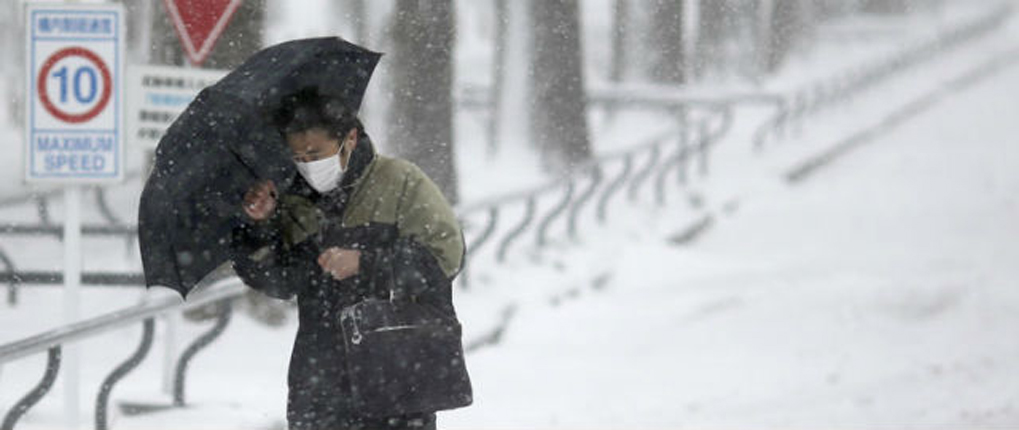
x,y
306,109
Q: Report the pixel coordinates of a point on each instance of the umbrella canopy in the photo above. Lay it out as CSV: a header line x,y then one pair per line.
x,y
225,142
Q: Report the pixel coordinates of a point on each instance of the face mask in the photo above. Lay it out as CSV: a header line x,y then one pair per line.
x,y
323,175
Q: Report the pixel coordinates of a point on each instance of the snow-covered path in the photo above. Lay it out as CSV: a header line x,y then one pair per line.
x,y
881,292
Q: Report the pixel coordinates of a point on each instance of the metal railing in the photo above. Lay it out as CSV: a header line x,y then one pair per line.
x,y
222,293
813,97
647,166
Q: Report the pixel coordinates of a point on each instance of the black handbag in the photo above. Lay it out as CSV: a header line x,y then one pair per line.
x,y
403,357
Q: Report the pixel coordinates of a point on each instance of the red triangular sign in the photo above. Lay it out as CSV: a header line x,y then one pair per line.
x,y
199,24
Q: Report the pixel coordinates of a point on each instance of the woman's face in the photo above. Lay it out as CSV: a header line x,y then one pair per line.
x,y
317,144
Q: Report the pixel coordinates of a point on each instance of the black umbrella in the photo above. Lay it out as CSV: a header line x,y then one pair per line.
x,y
225,142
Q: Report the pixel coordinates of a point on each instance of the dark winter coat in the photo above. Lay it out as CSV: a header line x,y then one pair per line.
x,y
383,207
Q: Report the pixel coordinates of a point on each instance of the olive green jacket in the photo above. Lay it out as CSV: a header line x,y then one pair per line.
x,y
390,192
382,202
410,243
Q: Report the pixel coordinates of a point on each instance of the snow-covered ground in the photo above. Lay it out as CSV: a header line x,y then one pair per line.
x,y
879,292
883,292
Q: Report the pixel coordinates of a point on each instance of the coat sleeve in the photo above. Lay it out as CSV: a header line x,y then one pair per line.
x,y
429,252
259,260
424,215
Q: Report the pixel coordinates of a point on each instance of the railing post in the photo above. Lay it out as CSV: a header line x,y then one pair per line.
x,y
22,406
596,178
12,286
554,213
472,248
663,173
103,398
528,217
613,187
703,148
683,156
42,208
225,311
644,173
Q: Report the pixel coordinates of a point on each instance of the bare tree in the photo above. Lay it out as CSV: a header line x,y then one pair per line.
x,y
165,47
621,18
667,32
501,19
711,33
558,120
421,111
654,30
786,24
138,36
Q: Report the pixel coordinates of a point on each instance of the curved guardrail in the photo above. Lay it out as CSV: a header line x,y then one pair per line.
x,y
222,293
813,97
644,166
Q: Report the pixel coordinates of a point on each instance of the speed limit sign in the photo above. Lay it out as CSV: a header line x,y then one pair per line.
x,y
75,68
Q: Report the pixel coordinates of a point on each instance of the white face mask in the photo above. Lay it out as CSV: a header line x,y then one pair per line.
x,y
323,175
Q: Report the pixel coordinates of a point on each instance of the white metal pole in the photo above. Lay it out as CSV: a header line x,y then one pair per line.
x,y
170,352
173,320
72,299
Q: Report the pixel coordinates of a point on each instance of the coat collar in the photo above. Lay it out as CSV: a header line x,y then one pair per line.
x,y
363,157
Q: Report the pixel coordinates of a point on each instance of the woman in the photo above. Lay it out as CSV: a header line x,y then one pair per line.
x,y
353,226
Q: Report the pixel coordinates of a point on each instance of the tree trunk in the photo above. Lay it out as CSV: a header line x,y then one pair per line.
x,y
558,116
420,120
620,17
787,25
666,42
360,18
711,33
499,72
165,46
138,39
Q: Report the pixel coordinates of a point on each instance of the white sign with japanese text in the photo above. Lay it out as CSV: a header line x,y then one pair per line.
x,y
75,93
156,95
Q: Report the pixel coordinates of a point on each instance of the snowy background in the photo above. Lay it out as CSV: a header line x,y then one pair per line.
x,y
878,291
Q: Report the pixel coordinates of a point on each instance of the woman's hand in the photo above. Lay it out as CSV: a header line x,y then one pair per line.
x,y
260,201
340,263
